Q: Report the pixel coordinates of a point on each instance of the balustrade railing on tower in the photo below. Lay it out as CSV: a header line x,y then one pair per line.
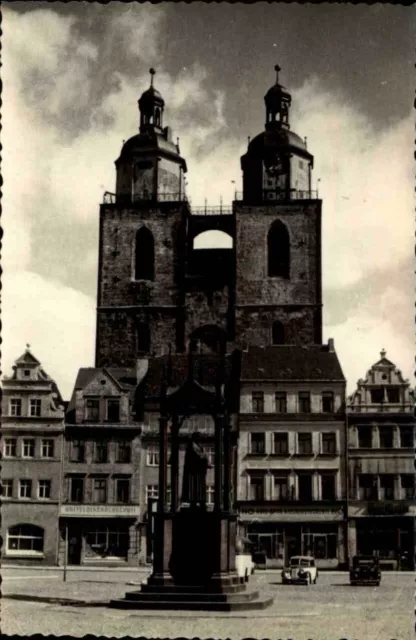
x,y
143,196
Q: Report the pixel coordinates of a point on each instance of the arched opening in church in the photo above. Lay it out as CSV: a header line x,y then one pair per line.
x,y
142,338
144,263
278,333
278,249
213,239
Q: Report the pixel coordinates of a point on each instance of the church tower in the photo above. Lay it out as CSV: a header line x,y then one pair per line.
x,y
278,236
141,240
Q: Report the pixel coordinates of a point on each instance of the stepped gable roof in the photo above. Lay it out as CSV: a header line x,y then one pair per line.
x,y
291,362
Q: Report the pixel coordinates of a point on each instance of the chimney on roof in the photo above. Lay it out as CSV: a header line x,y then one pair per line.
x,y
142,365
331,346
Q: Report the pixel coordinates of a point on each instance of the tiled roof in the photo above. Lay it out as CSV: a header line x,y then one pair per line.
x,y
291,362
126,378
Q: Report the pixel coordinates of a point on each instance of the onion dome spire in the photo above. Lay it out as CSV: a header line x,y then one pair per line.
x,y
151,105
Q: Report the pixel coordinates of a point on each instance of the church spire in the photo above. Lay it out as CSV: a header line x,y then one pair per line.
x,y
151,105
277,101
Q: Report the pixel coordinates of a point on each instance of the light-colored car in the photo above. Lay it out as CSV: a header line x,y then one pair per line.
x,y
244,565
301,570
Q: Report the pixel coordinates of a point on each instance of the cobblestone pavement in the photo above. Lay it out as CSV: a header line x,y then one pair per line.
x,y
330,610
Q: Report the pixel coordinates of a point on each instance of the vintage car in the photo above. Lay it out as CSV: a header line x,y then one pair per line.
x,y
243,559
301,570
365,570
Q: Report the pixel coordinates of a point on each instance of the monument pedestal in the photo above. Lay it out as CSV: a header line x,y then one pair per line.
x,y
194,566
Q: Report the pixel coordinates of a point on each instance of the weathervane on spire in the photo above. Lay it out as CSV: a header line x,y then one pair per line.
x,y
27,346
152,73
277,69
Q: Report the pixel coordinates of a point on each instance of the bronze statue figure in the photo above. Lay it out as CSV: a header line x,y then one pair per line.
x,y
194,473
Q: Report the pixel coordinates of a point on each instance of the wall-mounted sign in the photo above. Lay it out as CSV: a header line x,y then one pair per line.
x,y
99,510
282,514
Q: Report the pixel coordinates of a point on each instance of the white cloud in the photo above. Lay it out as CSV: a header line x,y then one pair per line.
x,y
58,322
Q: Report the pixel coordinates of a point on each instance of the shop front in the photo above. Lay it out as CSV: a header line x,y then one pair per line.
x,y
282,533
99,539
391,538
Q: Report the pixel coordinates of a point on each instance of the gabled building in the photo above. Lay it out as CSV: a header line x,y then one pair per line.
x,y
32,437
381,445
292,453
100,508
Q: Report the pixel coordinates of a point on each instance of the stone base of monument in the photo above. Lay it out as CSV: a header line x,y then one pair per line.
x,y
199,567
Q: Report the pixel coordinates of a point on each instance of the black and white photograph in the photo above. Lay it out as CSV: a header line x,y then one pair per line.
x,y
208,328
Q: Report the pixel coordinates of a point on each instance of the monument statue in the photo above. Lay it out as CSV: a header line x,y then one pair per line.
x,y
194,473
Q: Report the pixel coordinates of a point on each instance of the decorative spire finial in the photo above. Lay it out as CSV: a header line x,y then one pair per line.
x,y
277,69
27,346
152,73
383,353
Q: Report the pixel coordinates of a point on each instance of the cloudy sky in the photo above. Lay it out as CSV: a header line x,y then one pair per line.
x,y
72,75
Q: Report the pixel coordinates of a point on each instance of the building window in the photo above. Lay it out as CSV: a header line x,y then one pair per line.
x,y
393,395
77,451
280,398
152,492
25,488
305,487
386,437
408,486
77,489
101,451
7,488
329,443
99,490
280,488
365,437
304,399
257,488
28,448
281,446
278,333
35,407
15,407
278,250
46,448
257,443
113,410
152,456
123,451
327,402
10,447
257,402
92,409
305,443
323,546
26,373
104,542
210,451
144,263
25,539
407,437
386,486
122,490
44,491
328,486
367,486
377,395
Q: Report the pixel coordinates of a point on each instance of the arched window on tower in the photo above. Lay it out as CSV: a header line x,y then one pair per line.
x,y
278,249
157,117
278,333
142,338
144,263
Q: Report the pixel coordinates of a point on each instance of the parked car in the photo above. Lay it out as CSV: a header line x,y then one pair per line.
x,y
301,570
365,570
243,559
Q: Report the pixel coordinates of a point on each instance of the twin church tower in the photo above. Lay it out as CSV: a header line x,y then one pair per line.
x,y
157,292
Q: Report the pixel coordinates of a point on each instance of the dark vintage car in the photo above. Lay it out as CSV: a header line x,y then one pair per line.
x,y
365,570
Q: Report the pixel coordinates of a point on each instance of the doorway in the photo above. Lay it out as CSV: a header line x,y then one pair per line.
x,y
74,548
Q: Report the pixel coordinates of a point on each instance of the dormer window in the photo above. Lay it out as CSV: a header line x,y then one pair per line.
x,y
35,407
26,373
393,395
113,410
15,407
377,395
92,409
